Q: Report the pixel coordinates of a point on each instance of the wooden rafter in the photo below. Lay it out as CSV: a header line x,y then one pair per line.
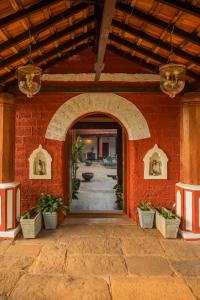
x,y
43,26
53,52
156,41
146,52
192,37
45,42
108,13
184,6
25,12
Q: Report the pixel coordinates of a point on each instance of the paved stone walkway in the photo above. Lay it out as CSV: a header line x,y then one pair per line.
x,y
99,259
97,194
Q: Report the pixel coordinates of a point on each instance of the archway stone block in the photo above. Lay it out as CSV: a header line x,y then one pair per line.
x,y
120,108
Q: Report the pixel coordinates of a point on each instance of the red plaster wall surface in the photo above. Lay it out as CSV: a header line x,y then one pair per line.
x,y
162,115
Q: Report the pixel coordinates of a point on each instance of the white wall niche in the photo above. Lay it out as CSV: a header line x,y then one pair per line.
x,y
155,164
40,164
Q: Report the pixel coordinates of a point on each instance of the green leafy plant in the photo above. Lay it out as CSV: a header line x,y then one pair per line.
x,y
75,187
119,195
77,150
166,213
31,214
145,206
50,203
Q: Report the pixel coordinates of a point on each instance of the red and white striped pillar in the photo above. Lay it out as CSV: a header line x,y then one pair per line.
x,y
188,190
9,209
9,189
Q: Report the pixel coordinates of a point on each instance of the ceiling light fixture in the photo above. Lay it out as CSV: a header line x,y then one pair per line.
x,y
29,76
172,76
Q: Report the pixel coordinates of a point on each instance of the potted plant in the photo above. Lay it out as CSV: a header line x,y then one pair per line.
x,y
146,214
31,223
49,206
167,222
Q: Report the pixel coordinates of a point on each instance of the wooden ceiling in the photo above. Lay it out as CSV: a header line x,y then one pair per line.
x,y
140,30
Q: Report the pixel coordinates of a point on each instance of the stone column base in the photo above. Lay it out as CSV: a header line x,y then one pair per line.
x,y
9,209
188,209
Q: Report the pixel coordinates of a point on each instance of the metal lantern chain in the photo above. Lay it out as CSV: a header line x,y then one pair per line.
x,y
172,76
29,76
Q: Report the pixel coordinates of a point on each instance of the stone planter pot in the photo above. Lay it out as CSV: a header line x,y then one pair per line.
x,y
146,218
87,176
31,227
50,220
168,227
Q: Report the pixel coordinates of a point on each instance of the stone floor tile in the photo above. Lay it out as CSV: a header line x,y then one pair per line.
x,y
148,265
124,231
49,287
23,250
153,232
12,263
149,288
44,237
181,250
8,281
77,230
194,284
4,244
96,245
51,259
95,265
142,246
187,267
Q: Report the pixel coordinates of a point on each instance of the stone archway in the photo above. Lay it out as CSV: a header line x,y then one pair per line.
x,y
125,111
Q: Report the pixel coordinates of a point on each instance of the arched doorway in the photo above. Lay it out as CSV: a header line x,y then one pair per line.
x,y
102,141
124,111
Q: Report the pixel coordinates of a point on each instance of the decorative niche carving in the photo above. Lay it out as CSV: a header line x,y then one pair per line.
x,y
155,164
40,164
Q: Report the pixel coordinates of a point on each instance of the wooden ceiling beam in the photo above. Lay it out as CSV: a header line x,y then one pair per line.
x,y
184,6
108,13
192,37
92,88
98,9
146,52
53,52
134,59
35,30
45,42
25,12
155,41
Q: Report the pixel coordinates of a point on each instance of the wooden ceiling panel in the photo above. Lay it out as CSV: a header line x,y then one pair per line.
x,y
165,13
153,31
145,6
193,49
6,8
188,22
13,31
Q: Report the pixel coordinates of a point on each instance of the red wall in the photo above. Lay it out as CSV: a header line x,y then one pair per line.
x,y
162,115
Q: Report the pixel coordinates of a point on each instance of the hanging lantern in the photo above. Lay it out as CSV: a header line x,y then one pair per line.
x,y
172,79
29,79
